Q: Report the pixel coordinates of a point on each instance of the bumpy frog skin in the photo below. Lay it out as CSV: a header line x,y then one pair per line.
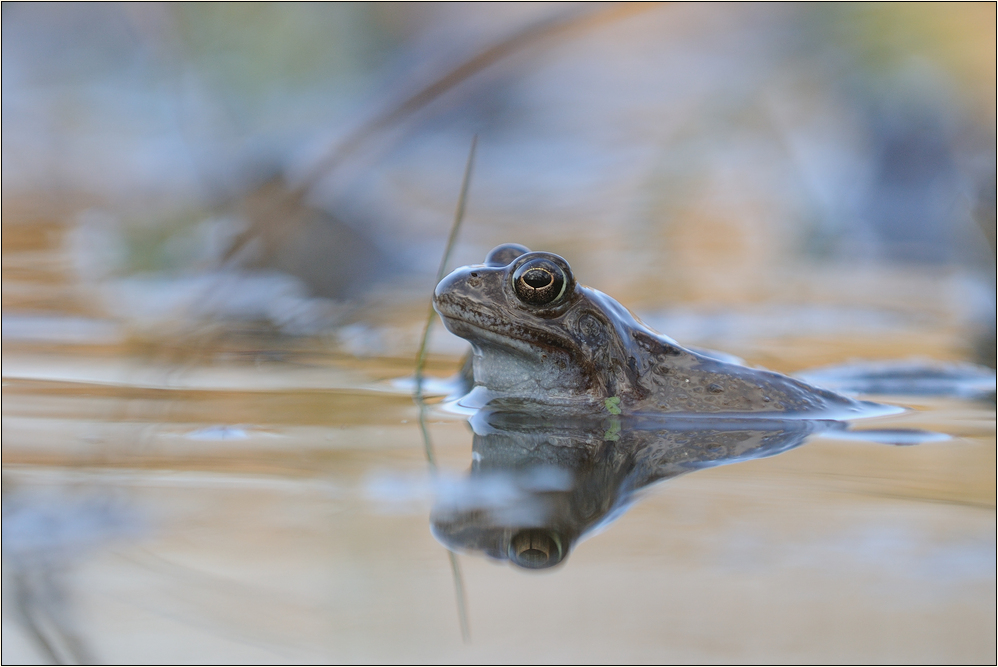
x,y
540,339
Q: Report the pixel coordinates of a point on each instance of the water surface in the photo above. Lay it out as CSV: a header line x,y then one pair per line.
x,y
208,460
229,494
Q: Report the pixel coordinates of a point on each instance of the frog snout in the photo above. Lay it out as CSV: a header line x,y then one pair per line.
x,y
446,286
468,281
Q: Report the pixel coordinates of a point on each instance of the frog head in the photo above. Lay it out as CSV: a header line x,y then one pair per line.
x,y
537,334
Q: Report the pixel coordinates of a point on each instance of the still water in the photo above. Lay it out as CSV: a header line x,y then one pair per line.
x,y
230,493
211,452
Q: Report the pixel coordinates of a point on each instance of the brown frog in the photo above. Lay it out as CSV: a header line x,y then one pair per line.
x,y
540,339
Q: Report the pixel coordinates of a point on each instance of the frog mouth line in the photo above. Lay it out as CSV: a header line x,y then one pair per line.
x,y
473,332
445,305
467,329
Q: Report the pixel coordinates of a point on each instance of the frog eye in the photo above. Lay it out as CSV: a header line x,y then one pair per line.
x,y
535,549
503,254
540,281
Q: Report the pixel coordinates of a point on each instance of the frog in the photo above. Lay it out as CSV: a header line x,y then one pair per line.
x,y
541,340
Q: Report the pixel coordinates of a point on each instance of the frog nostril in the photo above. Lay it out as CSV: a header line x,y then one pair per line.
x,y
474,275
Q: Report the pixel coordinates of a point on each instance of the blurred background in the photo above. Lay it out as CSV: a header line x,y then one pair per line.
x,y
191,163
221,225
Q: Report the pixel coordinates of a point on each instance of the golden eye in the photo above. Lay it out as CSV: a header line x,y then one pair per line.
x,y
539,282
535,549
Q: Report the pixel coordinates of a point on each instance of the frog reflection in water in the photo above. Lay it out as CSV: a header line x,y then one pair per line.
x,y
584,406
541,484
542,341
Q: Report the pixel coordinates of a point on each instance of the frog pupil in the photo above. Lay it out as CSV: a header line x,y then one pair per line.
x,y
538,278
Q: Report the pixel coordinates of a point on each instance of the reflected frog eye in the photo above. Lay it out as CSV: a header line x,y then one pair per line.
x,y
535,549
540,281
